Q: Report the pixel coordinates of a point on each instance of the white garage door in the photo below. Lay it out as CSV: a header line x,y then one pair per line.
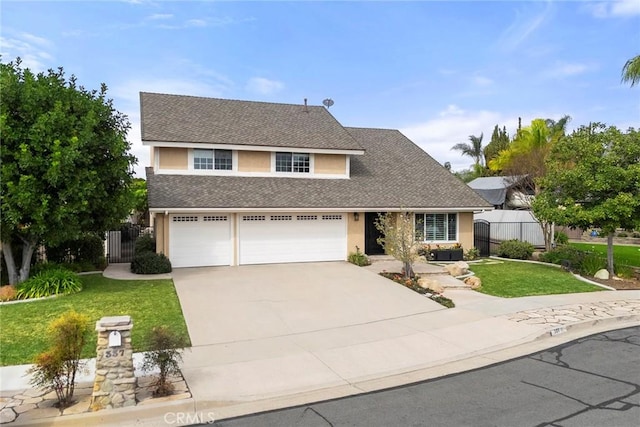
x,y
273,238
199,240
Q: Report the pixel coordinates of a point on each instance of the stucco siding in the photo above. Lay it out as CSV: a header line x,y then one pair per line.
x,y
465,230
254,161
355,233
173,158
334,164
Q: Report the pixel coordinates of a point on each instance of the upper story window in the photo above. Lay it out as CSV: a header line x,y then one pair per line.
x,y
437,227
292,162
212,159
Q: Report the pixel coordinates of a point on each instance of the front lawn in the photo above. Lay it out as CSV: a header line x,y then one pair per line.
x,y
622,254
510,279
150,303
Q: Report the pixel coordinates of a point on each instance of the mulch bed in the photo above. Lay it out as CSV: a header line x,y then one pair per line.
x,y
618,283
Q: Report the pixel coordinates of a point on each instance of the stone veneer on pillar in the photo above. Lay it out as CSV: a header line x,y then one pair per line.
x,y
115,382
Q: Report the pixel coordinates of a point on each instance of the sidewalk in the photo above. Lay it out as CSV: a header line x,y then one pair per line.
x,y
242,377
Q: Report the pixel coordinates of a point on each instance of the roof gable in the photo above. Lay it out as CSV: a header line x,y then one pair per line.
x,y
191,119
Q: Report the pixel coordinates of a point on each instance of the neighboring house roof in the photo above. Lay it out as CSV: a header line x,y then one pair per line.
x,y
179,118
494,188
393,173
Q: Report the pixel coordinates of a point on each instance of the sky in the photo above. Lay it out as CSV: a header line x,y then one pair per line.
x,y
439,71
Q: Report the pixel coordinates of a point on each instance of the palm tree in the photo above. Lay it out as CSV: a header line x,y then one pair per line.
x,y
473,150
631,71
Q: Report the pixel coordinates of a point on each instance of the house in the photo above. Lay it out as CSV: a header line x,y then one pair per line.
x,y
505,192
241,182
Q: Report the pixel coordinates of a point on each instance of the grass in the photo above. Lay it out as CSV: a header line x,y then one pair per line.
x,y
622,254
512,279
150,303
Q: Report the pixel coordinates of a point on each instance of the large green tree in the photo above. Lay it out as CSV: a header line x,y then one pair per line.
x,y
593,180
499,142
66,165
631,71
526,158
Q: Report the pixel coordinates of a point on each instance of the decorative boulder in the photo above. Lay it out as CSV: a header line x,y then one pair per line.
x,y
456,269
536,255
602,274
473,281
431,284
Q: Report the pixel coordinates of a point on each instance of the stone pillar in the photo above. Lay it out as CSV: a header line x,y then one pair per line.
x,y
115,382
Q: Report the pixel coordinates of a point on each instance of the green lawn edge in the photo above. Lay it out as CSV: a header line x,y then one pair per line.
x,y
622,254
513,279
150,303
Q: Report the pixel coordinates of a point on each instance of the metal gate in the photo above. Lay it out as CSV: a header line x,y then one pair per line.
x,y
121,243
482,236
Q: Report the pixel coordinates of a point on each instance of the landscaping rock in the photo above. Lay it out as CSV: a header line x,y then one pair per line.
x,y
473,281
7,416
536,255
602,274
432,284
456,269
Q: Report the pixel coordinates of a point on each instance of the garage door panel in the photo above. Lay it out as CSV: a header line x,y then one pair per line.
x,y
272,238
200,240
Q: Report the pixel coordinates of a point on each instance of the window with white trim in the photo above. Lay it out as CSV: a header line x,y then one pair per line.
x,y
212,159
436,227
293,162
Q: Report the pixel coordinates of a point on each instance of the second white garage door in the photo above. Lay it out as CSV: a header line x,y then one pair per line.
x,y
274,238
200,240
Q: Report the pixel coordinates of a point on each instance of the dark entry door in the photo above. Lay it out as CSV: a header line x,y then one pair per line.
x,y
482,236
371,234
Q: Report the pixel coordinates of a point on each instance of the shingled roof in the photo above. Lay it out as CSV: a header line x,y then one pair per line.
x,y
393,173
191,119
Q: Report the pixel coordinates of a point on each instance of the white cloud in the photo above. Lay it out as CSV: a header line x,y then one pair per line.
x,y
525,24
454,125
612,9
482,81
33,50
263,86
196,23
566,69
159,16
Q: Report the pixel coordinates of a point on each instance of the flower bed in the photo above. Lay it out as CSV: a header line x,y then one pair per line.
x,y
412,283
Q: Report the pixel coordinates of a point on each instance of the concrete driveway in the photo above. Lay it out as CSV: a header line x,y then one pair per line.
x,y
235,304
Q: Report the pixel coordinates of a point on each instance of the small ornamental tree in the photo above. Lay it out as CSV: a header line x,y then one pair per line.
x,y
56,368
65,163
399,238
165,355
593,180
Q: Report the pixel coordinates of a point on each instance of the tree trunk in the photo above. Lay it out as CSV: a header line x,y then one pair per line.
x,y
610,253
12,272
18,275
547,233
408,270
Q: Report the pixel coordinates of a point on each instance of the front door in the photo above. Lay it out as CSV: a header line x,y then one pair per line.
x,y
371,235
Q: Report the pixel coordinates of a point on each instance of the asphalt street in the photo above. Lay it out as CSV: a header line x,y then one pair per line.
x,y
591,382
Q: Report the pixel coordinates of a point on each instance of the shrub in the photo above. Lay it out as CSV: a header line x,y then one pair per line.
x,y
561,238
56,368
150,263
88,249
564,255
472,254
7,293
515,249
55,281
635,235
358,258
145,243
623,234
165,355
591,263
624,271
